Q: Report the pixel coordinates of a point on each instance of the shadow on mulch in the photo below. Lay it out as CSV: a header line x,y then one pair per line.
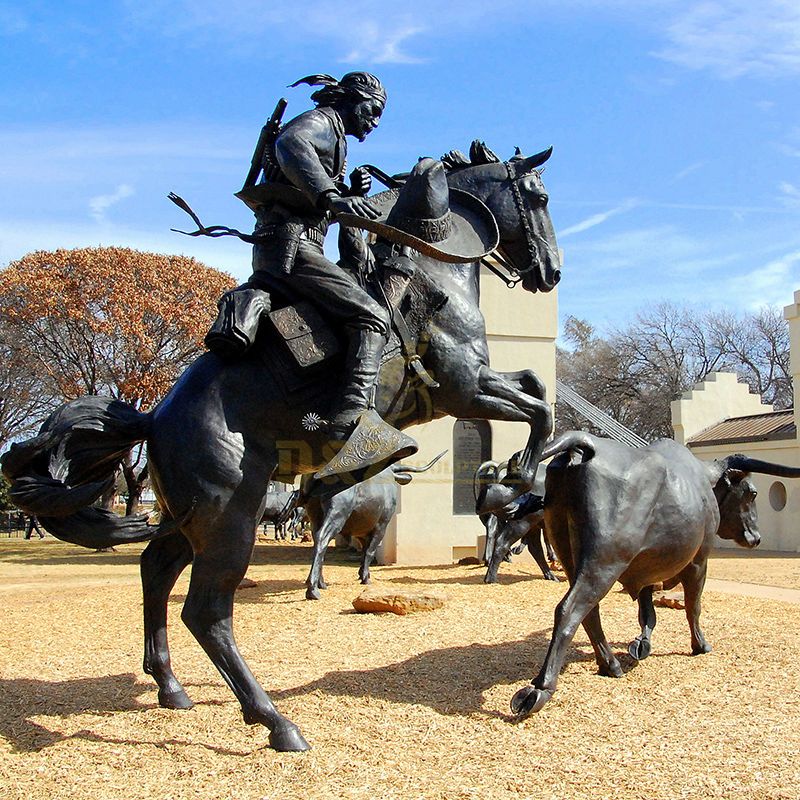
x,y
256,594
476,578
45,556
451,680
23,698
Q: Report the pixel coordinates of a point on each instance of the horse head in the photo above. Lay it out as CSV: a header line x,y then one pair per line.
x,y
515,194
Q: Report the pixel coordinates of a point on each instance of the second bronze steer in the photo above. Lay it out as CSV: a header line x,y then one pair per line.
x,y
638,516
362,511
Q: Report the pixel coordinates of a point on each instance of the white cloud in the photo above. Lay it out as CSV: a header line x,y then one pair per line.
x,y
21,236
686,171
99,204
736,37
381,47
770,284
363,31
790,194
597,219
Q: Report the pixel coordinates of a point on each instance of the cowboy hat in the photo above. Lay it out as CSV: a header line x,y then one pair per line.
x,y
430,217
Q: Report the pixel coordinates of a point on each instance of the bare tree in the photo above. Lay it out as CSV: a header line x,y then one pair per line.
x,y
635,372
24,400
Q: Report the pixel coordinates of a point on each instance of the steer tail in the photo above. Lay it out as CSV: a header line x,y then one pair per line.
x,y
402,472
58,474
571,440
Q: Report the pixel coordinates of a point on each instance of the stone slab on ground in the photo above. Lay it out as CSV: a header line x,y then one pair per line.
x,y
382,599
672,599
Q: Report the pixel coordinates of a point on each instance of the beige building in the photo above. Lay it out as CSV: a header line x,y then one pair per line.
x,y
720,417
436,522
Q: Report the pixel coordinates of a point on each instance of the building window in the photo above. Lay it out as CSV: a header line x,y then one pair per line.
x,y
472,445
777,496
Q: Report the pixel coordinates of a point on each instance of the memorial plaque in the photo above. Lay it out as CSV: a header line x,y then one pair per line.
x,y
472,445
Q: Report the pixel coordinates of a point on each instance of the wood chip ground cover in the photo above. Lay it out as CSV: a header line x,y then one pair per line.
x,y
395,707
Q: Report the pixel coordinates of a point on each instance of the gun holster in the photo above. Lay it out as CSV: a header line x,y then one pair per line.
x,y
288,234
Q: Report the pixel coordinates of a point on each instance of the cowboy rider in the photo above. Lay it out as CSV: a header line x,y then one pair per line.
x,y
310,154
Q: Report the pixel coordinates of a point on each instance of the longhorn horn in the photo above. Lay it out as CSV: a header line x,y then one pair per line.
x,y
397,468
532,162
747,464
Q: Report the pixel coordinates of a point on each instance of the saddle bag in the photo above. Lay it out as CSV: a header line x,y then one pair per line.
x,y
234,330
306,335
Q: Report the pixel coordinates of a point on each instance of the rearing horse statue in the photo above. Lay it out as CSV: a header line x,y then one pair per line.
x,y
225,429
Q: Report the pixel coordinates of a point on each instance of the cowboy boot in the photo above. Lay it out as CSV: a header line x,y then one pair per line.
x,y
370,443
361,367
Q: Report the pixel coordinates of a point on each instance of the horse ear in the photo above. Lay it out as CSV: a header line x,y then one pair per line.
x,y
532,162
479,153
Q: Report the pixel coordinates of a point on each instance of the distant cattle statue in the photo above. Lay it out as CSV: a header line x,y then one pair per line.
x,y
279,508
521,520
638,516
363,512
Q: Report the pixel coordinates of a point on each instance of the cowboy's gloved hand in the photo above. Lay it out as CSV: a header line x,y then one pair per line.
x,y
360,182
359,206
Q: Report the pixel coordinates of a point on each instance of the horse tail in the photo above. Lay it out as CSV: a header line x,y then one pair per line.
x,y
58,474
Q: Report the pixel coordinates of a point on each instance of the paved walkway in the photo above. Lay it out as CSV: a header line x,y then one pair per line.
x,y
754,590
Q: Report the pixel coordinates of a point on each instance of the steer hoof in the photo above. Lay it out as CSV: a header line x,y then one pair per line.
x,y
613,669
180,701
550,576
529,700
700,649
639,648
321,584
312,593
287,739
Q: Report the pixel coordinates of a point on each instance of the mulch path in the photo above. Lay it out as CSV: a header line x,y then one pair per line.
x,y
395,707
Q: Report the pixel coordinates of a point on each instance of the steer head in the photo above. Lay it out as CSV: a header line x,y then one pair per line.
x,y
738,518
736,495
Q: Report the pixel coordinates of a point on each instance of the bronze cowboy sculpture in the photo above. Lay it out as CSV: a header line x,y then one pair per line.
x,y
229,425
301,190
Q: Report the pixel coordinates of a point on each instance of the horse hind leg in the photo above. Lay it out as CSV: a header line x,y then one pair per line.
x,y
162,562
208,613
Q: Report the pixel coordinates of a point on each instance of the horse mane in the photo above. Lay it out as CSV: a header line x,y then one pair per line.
x,y
479,153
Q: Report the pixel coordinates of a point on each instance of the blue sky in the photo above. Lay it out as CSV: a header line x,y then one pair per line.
x,y
676,125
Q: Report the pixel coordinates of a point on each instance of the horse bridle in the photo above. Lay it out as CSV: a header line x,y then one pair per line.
x,y
532,239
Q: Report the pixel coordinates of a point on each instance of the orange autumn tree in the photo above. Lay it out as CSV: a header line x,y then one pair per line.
x,y
110,321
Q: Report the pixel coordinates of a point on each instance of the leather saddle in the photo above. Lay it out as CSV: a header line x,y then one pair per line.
x,y
297,342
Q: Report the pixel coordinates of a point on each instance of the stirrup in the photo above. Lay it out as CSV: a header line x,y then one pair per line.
x,y
373,446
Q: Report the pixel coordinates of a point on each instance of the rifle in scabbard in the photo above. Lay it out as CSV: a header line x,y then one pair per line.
x,y
263,154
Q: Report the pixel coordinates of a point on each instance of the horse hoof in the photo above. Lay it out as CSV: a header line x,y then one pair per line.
x,y
528,700
365,581
313,594
288,739
180,701
639,649
321,584
490,579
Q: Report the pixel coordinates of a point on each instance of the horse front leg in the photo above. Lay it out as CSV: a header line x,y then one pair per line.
x,y
512,397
